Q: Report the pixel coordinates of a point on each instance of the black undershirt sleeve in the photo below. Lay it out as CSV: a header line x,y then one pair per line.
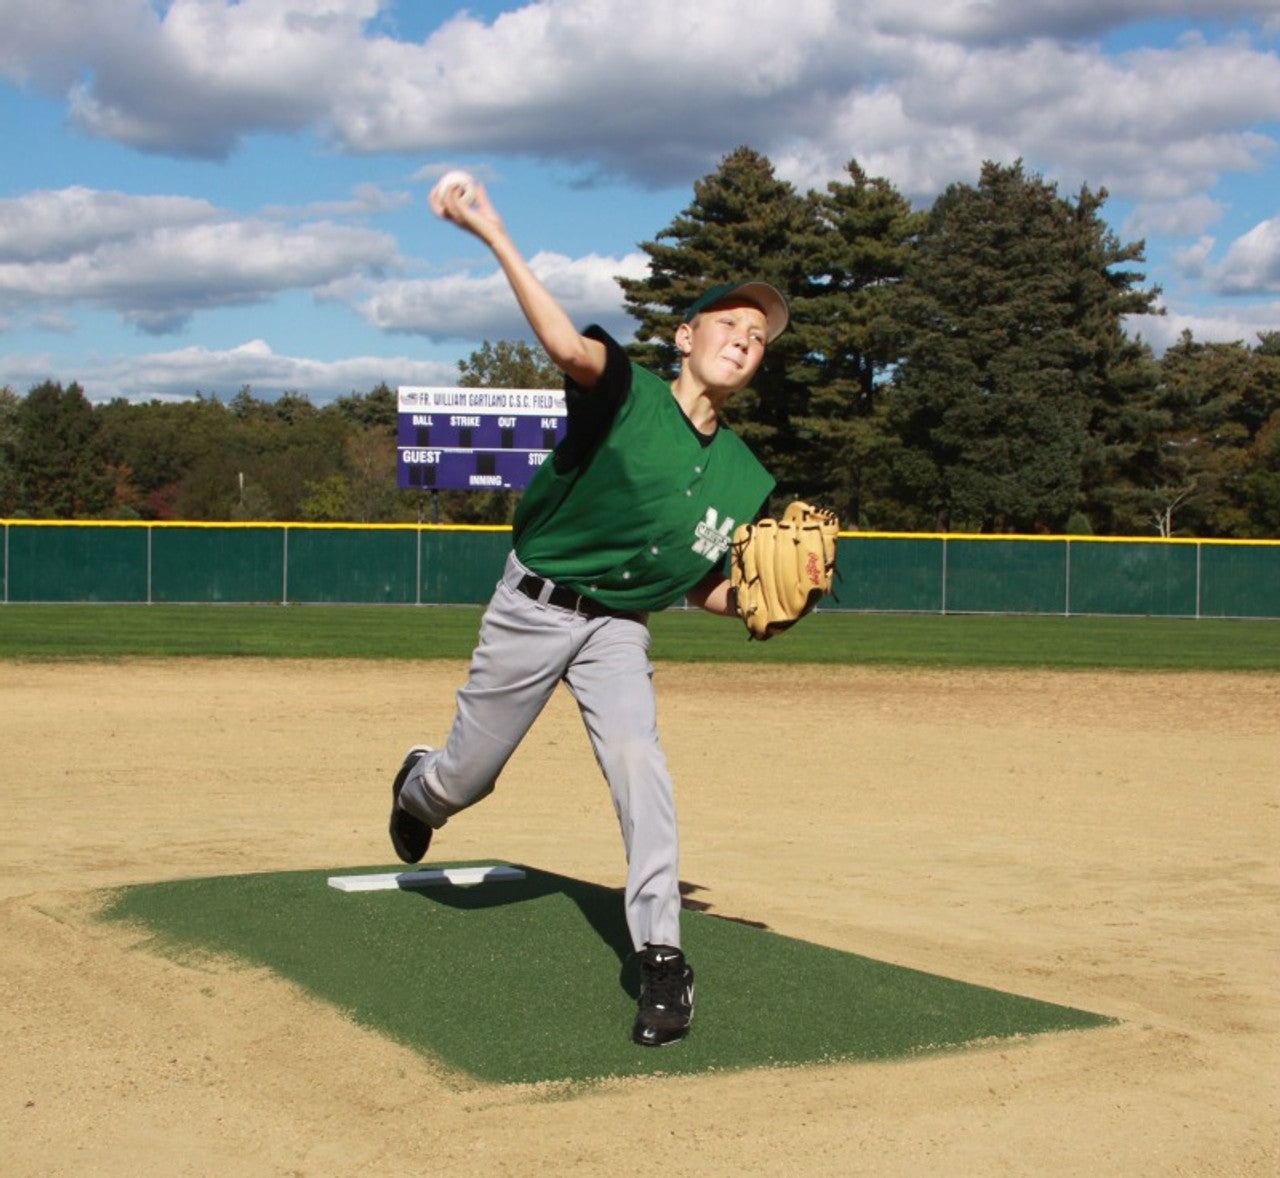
x,y
591,411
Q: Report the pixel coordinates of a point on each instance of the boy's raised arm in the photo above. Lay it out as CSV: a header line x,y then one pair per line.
x,y
580,358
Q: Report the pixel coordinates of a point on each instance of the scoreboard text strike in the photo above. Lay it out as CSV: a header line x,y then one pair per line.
x,y
475,439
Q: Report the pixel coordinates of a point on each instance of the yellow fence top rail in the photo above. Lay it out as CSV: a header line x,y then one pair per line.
x,y
950,537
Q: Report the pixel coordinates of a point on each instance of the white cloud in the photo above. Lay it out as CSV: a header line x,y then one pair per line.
x,y
1252,263
1193,260
1155,125
196,77
367,200
55,323
46,43
1012,20
651,91
428,174
1242,322
1176,218
48,226
918,90
181,374
470,306
156,260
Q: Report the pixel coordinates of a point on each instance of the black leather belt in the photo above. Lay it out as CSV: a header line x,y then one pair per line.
x,y
566,598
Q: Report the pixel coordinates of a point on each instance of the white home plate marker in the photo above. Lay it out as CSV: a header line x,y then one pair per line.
x,y
458,877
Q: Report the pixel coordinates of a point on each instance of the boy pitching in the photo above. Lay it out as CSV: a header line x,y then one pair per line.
x,y
633,510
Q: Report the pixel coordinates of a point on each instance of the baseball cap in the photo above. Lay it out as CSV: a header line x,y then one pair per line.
x,y
764,296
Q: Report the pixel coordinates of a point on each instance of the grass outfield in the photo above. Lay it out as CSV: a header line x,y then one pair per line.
x,y
53,632
534,981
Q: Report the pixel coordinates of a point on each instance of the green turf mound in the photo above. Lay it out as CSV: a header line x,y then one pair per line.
x,y
533,981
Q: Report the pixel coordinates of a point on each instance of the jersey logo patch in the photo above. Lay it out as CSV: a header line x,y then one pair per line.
x,y
713,535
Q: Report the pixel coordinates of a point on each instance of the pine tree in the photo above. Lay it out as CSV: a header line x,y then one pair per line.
x,y
864,234
1013,313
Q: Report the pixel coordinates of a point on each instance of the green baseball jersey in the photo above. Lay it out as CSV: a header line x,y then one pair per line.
x,y
640,518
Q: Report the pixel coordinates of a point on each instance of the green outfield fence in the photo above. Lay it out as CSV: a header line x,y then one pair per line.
x,y
428,564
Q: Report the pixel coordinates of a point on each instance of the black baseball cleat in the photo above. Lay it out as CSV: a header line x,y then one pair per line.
x,y
410,836
666,997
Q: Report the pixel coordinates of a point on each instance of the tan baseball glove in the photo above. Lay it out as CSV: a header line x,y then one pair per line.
x,y
780,569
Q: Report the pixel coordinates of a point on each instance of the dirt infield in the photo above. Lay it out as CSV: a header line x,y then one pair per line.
x,y
1103,841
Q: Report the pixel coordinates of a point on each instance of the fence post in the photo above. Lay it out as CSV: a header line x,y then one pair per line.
x,y
944,576
1199,574
1067,604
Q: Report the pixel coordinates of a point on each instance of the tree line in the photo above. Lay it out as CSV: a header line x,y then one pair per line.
x,y
962,368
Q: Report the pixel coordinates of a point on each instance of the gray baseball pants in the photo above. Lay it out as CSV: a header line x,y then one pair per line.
x,y
526,648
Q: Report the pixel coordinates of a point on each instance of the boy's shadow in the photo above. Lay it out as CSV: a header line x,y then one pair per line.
x,y
602,907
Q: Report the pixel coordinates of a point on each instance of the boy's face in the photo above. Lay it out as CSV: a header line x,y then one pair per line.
x,y
723,345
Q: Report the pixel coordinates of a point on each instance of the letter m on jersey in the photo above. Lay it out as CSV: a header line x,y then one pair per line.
x,y
713,536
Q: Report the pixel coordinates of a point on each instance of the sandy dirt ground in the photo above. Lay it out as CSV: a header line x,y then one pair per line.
x,y
1103,841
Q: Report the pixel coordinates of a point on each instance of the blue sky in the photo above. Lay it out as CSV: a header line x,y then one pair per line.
x,y
203,195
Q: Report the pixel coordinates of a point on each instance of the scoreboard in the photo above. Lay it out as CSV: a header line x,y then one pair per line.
x,y
455,439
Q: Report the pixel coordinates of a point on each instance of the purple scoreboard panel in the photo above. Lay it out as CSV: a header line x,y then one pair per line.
x,y
475,439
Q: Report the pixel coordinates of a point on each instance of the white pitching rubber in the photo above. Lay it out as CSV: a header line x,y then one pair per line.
x,y
458,877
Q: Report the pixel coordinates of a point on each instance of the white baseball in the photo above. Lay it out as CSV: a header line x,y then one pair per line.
x,y
457,179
